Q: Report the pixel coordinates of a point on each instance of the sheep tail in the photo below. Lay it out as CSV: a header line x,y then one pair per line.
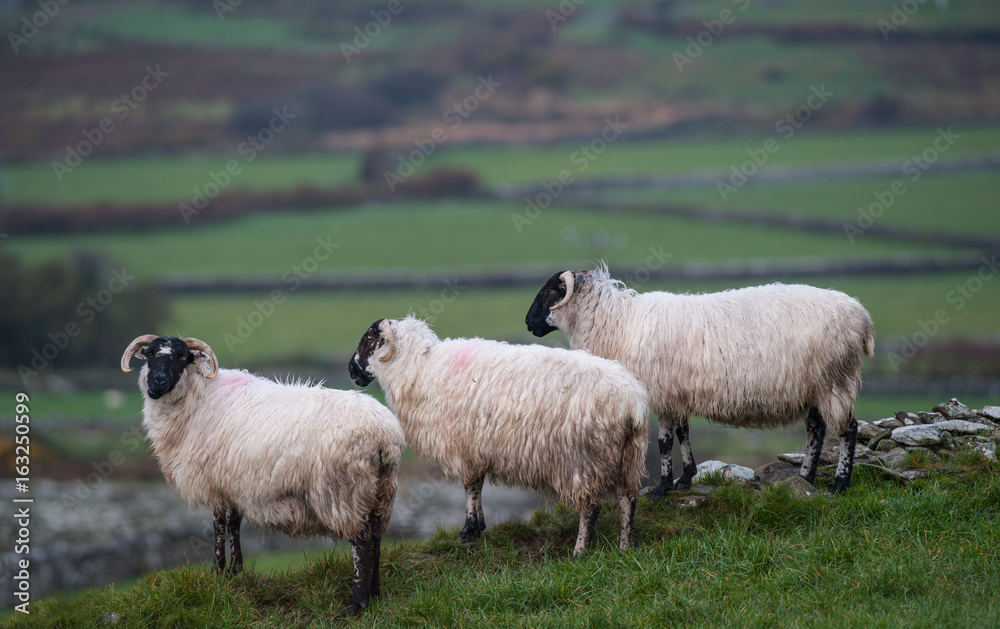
x,y
385,486
870,343
634,444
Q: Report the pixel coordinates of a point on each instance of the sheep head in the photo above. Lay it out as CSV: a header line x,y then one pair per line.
x,y
378,334
166,358
555,294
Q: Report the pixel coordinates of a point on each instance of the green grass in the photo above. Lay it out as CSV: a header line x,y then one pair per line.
x,y
451,234
172,178
113,404
883,555
110,22
518,164
953,202
970,14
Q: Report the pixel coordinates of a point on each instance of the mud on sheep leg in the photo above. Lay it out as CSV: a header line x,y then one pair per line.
x,y
362,550
845,466
815,432
588,525
665,439
687,456
235,552
475,523
376,528
626,509
219,525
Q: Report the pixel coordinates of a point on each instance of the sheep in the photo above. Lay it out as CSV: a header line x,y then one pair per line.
x,y
757,357
296,457
567,424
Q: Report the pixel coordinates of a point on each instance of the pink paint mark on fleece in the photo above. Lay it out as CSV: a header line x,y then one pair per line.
x,y
461,360
233,382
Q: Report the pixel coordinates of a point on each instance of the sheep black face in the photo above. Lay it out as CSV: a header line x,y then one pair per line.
x,y
166,358
358,367
553,295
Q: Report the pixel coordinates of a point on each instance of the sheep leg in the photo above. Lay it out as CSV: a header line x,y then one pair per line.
x,y
219,524
588,526
848,441
816,432
376,528
666,442
362,548
475,523
626,509
687,456
235,552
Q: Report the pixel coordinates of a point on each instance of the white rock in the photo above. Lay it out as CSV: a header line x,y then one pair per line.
x,y
795,458
988,450
991,412
729,470
960,426
866,431
920,435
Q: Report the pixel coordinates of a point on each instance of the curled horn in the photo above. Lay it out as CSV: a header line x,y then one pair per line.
x,y
202,346
133,347
568,279
386,329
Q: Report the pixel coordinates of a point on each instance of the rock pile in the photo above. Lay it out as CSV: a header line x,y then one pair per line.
x,y
948,427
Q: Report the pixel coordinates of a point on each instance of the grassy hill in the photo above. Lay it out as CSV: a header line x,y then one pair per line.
x,y
886,555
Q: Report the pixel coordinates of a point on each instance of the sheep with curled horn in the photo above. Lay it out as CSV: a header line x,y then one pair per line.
x,y
758,357
567,424
295,457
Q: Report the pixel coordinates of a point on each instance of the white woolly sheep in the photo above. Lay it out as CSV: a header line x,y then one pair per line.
x,y
568,424
298,458
757,357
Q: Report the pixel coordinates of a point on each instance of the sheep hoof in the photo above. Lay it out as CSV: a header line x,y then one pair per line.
x,y
467,537
660,491
840,486
354,608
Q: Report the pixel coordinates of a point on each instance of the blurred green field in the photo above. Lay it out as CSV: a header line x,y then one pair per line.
x,y
864,13
161,179
443,235
170,179
952,202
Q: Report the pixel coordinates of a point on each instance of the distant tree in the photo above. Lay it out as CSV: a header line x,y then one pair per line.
x,y
74,312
